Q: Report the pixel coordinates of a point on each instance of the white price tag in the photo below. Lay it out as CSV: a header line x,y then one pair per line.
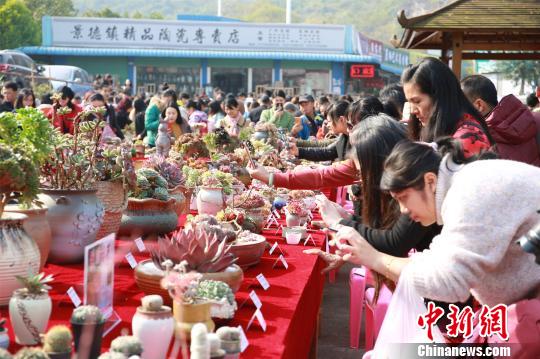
x,y
255,298
276,213
261,319
273,248
75,299
282,259
310,215
131,260
244,343
327,240
263,282
309,238
140,244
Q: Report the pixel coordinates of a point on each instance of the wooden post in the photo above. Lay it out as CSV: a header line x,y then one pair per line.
x,y
457,44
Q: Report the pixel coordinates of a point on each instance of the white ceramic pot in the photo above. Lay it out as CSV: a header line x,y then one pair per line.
x,y
154,330
295,221
19,254
29,317
4,339
210,200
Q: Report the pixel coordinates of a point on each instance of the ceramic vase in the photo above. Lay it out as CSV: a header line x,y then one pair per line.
x,y
19,254
179,194
154,330
29,317
148,216
187,315
114,199
210,200
75,218
37,227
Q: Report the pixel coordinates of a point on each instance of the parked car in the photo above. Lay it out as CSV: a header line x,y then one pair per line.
x,y
74,77
18,67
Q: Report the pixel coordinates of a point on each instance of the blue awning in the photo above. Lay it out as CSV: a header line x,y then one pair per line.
x,y
257,55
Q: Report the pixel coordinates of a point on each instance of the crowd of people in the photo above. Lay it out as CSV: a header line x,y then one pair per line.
x,y
436,165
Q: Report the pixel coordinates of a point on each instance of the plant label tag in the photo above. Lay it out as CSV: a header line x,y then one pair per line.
x,y
273,248
75,299
271,221
261,319
255,299
244,343
310,215
279,228
131,260
326,239
276,213
263,282
140,244
281,260
308,239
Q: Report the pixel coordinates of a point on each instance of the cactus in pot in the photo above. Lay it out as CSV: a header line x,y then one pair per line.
x,y
127,345
87,319
57,342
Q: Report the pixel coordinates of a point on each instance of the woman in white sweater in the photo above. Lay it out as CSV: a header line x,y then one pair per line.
x,y
484,207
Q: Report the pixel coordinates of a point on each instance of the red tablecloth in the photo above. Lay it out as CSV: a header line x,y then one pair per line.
x,y
290,306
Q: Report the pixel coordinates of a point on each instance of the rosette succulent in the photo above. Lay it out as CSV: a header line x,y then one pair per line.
x,y
150,184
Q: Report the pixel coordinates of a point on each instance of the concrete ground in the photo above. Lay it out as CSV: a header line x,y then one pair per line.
x,y
334,323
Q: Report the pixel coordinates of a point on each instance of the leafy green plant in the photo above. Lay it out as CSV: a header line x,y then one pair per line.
x,y
87,314
57,340
218,179
150,184
72,164
34,284
192,176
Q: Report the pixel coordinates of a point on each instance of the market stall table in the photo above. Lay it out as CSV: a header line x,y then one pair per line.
x,y
290,306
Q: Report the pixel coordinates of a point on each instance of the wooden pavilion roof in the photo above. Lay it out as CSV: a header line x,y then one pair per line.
x,y
483,25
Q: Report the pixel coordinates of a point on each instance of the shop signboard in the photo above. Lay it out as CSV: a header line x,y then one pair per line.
x,y
193,35
362,71
369,47
395,57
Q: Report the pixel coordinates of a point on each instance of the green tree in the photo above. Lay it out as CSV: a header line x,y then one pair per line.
x,y
156,15
40,8
17,27
521,72
106,12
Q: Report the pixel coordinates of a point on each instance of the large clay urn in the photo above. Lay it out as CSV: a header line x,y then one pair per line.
x,y
113,196
75,217
148,216
19,254
37,227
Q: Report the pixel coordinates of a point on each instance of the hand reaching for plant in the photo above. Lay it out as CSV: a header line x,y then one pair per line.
x,y
333,260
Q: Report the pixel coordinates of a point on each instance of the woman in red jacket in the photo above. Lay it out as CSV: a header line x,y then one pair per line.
x,y
64,121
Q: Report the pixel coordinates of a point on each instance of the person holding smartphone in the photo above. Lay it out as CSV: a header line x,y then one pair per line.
x,y
277,115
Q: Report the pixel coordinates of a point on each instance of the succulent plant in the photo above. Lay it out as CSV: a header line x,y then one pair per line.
x,y
2,325
169,170
150,184
127,345
87,314
218,179
57,340
196,248
31,353
34,284
230,339
4,354
215,290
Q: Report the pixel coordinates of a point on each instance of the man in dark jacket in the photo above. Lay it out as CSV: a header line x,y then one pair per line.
x,y
9,91
255,114
510,122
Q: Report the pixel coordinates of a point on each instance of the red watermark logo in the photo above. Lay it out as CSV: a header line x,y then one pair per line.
x,y
489,320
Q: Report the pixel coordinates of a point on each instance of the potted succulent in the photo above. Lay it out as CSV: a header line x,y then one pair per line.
x,y
57,342
220,295
115,175
153,324
127,345
230,340
191,145
200,251
87,325
297,213
150,207
31,353
4,337
215,185
30,308
69,188
169,170
256,207
24,145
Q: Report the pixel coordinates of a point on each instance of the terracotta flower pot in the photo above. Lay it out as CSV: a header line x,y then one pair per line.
x,y
19,254
75,218
148,216
179,193
37,227
258,217
187,315
148,278
114,198
249,253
